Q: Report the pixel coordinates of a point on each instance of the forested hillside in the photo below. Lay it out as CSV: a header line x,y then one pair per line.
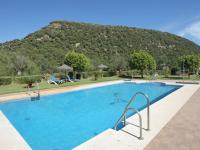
x,y
47,47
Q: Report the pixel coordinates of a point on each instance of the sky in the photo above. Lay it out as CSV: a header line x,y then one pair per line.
x,y
18,18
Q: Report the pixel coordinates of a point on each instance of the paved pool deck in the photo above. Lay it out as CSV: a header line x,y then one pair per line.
x,y
183,130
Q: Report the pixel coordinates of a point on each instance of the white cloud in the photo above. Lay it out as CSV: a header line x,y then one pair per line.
x,y
179,23
192,30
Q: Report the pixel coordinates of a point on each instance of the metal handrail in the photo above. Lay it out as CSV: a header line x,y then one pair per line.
x,y
36,92
148,104
124,117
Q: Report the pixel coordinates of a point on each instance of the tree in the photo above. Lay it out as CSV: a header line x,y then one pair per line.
x,y
4,64
22,65
18,63
142,60
32,69
118,63
78,61
189,63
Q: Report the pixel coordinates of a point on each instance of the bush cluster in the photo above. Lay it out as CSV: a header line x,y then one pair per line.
x,y
5,80
109,73
97,75
128,74
29,80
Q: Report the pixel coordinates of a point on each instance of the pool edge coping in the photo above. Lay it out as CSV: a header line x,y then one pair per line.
x,y
11,139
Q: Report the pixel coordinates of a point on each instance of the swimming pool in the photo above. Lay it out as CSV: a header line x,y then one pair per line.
x,y
63,121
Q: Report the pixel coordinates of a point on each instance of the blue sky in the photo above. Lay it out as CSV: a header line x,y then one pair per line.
x,y
21,17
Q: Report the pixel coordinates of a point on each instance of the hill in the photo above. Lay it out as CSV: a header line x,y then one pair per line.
x,y
101,43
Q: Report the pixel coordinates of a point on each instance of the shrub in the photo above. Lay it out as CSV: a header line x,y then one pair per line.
x,y
128,74
78,76
112,73
166,71
97,75
125,74
5,80
90,74
105,73
29,80
85,75
108,73
174,71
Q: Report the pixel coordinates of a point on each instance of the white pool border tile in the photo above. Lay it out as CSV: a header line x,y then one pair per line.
x,y
10,139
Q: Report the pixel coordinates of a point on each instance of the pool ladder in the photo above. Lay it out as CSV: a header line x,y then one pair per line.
x,y
37,97
127,108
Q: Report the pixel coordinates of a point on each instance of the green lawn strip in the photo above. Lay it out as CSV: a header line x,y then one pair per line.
x,y
192,77
15,88
161,77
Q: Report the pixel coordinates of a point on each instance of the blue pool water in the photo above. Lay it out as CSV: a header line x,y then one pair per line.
x,y
63,121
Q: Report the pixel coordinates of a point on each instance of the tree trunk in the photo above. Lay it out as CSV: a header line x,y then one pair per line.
x,y
142,73
74,75
189,75
19,73
119,72
30,85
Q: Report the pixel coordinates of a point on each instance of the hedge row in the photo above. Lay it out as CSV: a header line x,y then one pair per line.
x,y
5,80
20,80
28,79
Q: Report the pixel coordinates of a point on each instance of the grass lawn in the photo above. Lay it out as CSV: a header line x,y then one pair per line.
x,y
171,77
14,88
192,77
